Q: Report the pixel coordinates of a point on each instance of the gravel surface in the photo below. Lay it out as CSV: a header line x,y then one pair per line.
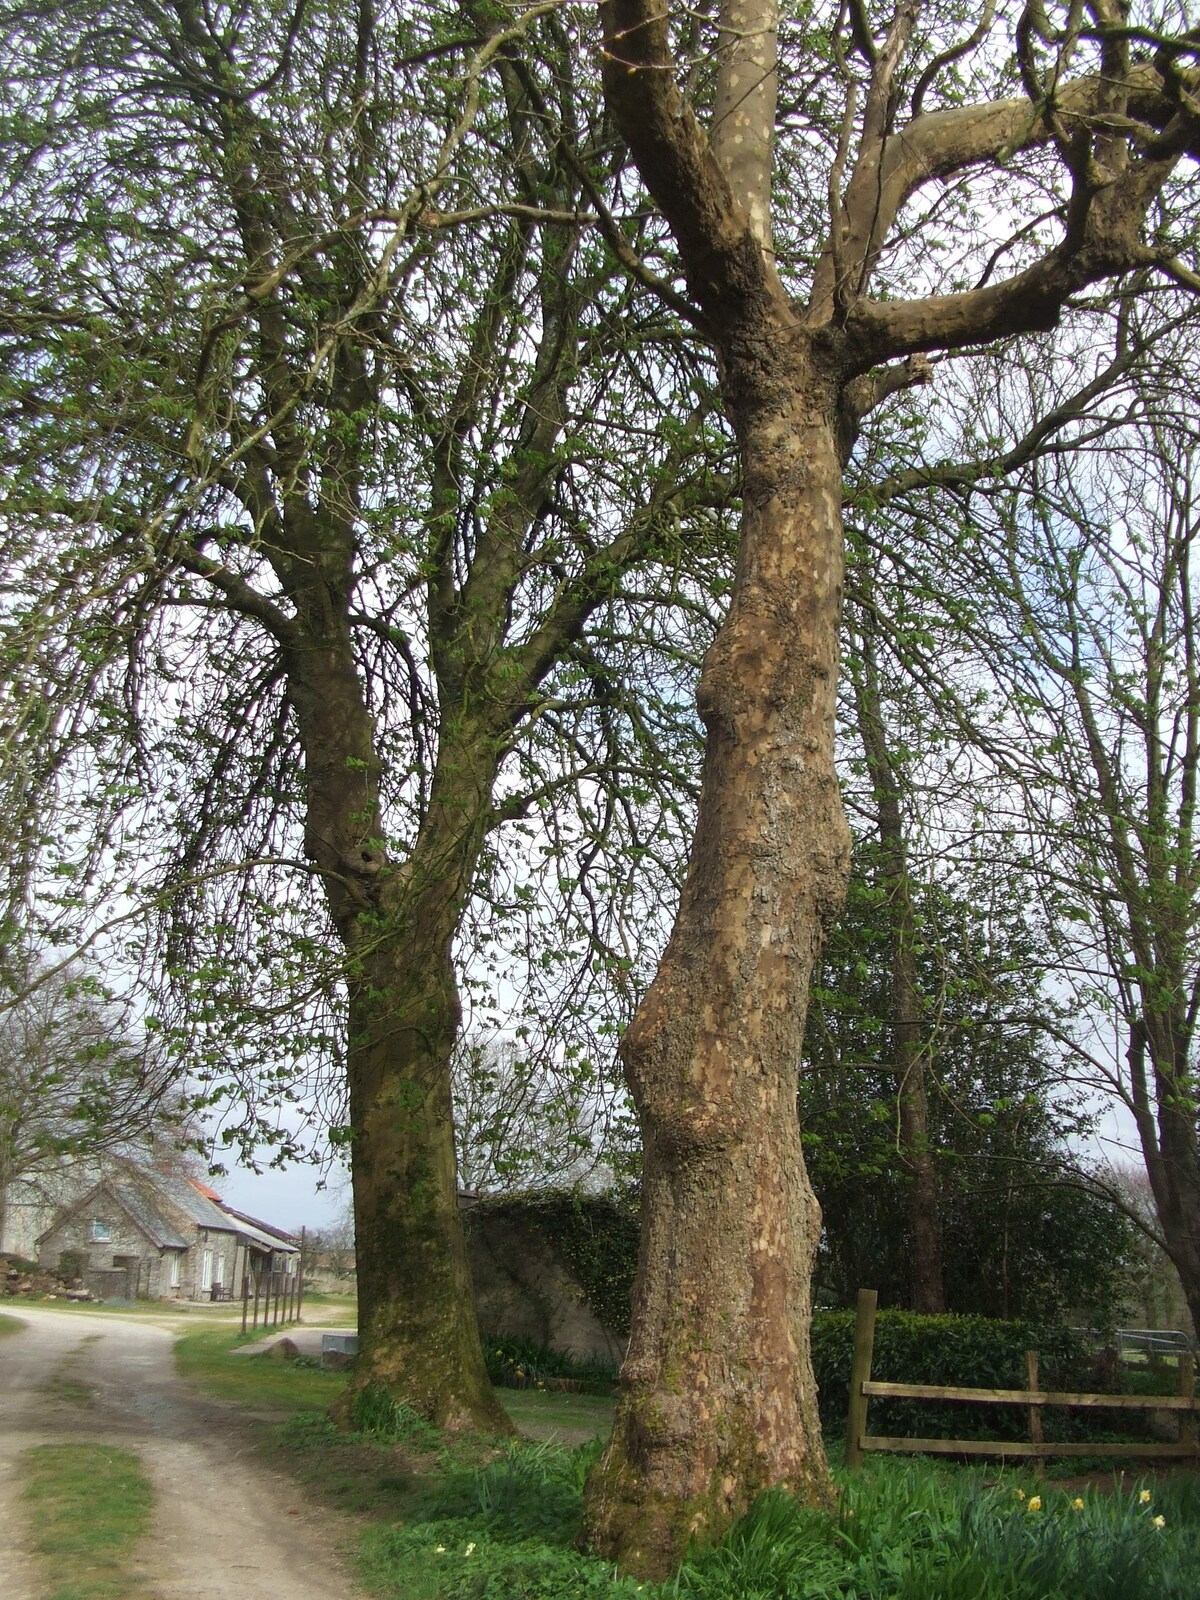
x,y
224,1525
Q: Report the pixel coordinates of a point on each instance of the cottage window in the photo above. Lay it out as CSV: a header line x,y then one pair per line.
x,y
101,1232
174,1269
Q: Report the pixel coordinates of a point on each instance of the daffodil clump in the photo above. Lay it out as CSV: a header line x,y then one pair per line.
x,y
1034,1503
508,1531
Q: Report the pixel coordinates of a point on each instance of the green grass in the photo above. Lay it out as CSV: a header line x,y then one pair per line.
x,y
467,1519
902,1531
334,1309
10,1324
68,1389
565,1418
258,1383
135,1309
88,1507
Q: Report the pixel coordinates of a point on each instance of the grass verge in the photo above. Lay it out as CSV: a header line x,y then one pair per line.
x,y
257,1383
569,1419
10,1324
88,1507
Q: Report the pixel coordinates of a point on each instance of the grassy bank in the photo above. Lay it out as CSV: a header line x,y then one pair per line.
x,y
903,1531
205,1357
88,1507
476,1519
10,1324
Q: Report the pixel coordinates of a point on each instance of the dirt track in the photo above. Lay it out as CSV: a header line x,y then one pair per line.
x,y
224,1523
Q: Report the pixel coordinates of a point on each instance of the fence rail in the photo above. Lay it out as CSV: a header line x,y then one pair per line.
x,y
1153,1342
280,1296
863,1389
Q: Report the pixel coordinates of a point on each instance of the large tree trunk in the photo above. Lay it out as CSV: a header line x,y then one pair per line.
x,y
717,1392
418,1337
717,1399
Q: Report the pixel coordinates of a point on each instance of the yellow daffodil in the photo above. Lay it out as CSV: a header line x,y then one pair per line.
x,y
1035,1503
1077,1504
1158,1522
1144,1497
470,1550
1020,1493
439,1549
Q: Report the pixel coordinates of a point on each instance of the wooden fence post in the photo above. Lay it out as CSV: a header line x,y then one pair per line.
x,y
1187,1389
1031,1382
860,1373
245,1298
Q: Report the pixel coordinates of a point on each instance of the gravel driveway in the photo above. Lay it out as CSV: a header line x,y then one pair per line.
x,y
224,1523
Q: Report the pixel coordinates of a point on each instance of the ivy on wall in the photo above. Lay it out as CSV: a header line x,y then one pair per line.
x,y
595,1236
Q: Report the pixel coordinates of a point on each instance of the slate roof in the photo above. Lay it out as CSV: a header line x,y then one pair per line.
x,y
156,1201
183,1194
140,1205
264,1230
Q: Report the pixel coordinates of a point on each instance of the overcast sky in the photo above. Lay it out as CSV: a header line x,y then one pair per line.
x,y
289,1199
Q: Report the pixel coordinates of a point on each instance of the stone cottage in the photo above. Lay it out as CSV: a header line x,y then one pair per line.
x,y
162,1236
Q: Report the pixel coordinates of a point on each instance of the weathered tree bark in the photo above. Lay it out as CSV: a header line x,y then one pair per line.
x,y
418,1335
396,920
1167,1129
717,1397
927,1286
718,1400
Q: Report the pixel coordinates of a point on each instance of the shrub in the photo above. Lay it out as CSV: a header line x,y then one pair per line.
x,y
72,1264
967,1352
375,1414
522,1364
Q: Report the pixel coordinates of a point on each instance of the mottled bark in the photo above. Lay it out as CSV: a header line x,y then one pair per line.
x,y
743,123
718,1400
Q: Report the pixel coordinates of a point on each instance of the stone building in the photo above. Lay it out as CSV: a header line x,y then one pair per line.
x,y
161,1236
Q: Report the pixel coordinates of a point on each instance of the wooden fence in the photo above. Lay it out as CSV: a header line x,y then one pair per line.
x,y
279,1295
863,1390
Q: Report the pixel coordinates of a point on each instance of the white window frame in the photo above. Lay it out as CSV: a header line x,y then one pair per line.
x,y
175,1274
206,1272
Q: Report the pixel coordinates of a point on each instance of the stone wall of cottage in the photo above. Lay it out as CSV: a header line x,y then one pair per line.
x,y
126,1247
148,1269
